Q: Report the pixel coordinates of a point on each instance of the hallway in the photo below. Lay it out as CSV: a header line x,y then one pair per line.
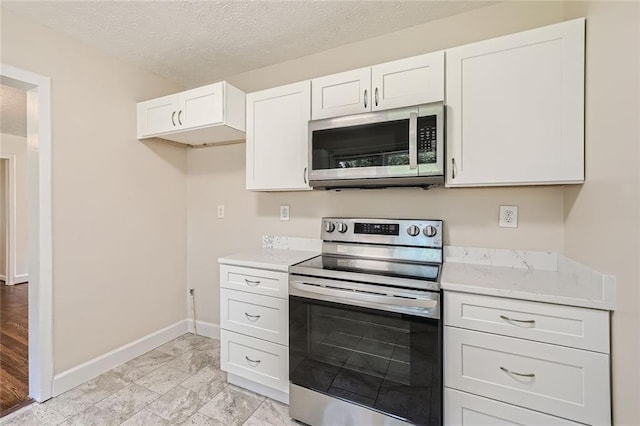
x,y
14,347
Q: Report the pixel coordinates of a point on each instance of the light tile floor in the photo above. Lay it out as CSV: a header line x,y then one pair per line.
x,y
178,383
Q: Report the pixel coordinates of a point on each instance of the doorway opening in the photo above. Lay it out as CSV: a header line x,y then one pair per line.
x,y
14,256
27,291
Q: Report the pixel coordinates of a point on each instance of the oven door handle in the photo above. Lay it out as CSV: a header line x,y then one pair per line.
x,y
365,296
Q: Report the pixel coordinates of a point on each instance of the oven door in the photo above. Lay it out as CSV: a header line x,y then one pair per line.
x,y
402,142
385,361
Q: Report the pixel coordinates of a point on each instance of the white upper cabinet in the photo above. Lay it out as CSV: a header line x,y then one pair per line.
x,y
406,82
515,108
208,114
278,138
341,94
411,81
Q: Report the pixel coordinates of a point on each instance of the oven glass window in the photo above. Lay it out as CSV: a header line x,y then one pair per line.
x,y
373,145
384,361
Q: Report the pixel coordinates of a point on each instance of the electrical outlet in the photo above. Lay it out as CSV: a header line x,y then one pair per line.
x,y
284,212
220,214
508,217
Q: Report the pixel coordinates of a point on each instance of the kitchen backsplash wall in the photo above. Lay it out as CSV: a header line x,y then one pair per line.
x,y
217,177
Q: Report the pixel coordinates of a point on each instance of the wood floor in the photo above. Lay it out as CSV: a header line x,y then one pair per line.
x,y
14,347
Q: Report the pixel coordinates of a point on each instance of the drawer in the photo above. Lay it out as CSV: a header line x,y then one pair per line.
x,y
258,316
260,281
561,325
254,359
564,382
465,409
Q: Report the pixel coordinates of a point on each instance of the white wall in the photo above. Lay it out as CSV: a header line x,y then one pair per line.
x,y
17,146
601,226
119,205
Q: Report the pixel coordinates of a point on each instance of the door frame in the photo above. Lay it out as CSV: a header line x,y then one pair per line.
x,y
38,90
10,217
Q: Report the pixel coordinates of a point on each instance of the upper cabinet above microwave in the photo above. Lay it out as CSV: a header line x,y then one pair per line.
x,y
515,108
406,82
204,115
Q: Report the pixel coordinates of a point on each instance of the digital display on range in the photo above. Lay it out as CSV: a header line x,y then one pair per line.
x,y
377,228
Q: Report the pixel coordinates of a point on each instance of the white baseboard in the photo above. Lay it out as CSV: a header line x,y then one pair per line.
x,y
22,278
3,278
77,375
207,329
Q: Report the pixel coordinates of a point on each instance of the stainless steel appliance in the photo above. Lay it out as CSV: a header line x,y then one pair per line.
x,y
398,147
365,336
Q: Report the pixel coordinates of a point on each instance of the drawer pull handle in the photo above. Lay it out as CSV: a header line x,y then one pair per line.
x,y
506,370
252,361
252,317
251,283
517,320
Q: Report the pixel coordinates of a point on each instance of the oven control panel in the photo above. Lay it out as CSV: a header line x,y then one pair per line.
x,y
406,232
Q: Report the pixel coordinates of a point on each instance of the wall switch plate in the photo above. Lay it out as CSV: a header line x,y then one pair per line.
x,y
284,212
220,212
508,217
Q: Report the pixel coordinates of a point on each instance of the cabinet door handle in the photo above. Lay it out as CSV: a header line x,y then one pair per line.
x,y
179,114
251,283
252,317
517,320
453,169
366,98
304,175
173,118
506,370
376,96
252,361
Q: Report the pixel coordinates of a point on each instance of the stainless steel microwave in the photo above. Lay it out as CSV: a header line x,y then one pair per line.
x,y
398,147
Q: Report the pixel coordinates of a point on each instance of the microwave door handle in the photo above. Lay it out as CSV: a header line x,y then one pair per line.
x,y
413,140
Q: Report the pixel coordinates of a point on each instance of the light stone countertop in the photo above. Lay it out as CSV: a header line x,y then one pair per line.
x,y
571,285
268,258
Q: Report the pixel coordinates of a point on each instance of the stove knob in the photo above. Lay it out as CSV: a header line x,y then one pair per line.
x,y
430,231
329,226
413,230
342,227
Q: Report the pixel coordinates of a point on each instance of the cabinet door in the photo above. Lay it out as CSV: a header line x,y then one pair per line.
x,y
278,137
157,116
465,409
201,106
515,108
341,94
411,81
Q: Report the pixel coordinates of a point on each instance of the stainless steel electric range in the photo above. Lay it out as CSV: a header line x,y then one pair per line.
x,y
365,336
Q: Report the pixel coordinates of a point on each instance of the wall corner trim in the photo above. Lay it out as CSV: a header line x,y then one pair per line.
x,y
206,329
88,370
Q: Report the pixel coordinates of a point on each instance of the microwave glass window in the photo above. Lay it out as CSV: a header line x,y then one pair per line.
x,y
373,145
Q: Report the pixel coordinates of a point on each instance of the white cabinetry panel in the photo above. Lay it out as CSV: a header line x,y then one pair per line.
x,y
515,108
263,362
412,81
464,409
260,281
256,315
562,325
278,138
561,381
341,94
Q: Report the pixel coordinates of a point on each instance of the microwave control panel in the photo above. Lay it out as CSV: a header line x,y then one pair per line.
x,y
427,140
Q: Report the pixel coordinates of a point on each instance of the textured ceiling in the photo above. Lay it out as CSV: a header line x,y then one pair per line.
x,y
198,42
13,111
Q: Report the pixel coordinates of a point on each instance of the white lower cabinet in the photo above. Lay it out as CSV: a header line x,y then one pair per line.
x,y
506,362
465,409
263,362
254,329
